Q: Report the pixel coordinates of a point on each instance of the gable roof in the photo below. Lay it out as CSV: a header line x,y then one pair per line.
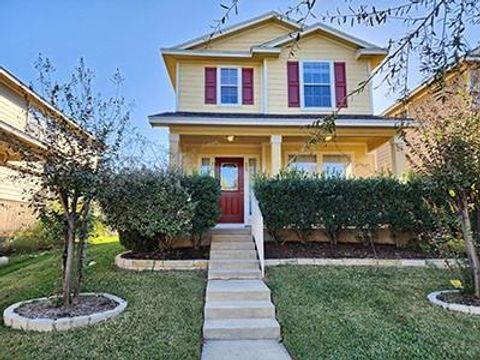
x,y
272,44
18,86
472,56
272,15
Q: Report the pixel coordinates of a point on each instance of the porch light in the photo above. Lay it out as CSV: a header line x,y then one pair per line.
x,y
230,138
329,138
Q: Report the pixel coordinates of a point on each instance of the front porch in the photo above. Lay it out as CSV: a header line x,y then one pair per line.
x,y
353,152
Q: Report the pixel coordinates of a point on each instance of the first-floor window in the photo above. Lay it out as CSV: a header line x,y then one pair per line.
x,y
205,166
475,87
306,163
317,87
229,86
335,165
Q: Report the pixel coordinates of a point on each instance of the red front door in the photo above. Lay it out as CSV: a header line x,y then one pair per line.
x,y
230,173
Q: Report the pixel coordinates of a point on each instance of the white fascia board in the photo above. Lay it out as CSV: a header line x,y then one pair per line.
x,y
207,53
235,27
366,52
320,26
225,121
21,135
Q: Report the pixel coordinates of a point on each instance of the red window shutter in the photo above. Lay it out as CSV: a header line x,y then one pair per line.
x,y
293,78
340,84
210,85
247,86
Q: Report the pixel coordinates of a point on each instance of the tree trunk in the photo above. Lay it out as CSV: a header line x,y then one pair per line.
x,y
67,273
473,258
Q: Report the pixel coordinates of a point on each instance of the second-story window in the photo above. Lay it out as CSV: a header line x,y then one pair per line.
x,y
317,85
229,86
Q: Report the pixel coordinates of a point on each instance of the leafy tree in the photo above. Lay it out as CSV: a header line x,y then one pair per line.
x,y
80,139
445,146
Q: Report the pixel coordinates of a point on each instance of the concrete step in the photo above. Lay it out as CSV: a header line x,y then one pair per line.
x,y
243,274
244,349
232,231
237,245
234,238
233,264
239,310
241,329
233,254
236,290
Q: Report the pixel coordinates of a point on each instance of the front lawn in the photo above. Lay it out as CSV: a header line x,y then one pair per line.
x,y
369,313
163,319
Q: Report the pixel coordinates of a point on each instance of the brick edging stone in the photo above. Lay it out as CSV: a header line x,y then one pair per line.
x,y
142,265
3,260
436,263
17,321
468,309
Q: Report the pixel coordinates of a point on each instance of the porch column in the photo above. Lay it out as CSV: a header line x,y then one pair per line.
x,y
397,149
174,151
276,153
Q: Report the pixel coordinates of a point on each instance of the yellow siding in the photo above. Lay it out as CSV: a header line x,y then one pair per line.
x,y
244,40
384,158
10,188
314,47
318,47
13,108
363,163
192,82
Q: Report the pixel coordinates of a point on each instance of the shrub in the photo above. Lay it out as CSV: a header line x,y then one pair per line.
x,y
205,194
146,207
303,202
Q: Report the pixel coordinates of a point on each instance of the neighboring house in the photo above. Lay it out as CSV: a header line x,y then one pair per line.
x,y
465,75
245,96
16,103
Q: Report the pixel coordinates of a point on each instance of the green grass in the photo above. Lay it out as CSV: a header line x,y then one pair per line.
x,y
369,313
163,319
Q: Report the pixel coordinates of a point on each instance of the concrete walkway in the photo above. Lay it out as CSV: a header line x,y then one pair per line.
x,y
239,314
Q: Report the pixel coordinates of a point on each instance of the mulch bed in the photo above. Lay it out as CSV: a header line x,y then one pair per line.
x,y
49,309
176,254
326,250
459,298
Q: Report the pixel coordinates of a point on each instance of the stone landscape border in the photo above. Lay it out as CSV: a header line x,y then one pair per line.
x,y
159,265
3,260
436,263
17,321
143,265
468,309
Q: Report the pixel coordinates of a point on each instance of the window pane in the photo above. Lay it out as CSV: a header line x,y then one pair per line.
x,y
316,73
307,163
317,96
229,177
229,95
335,165
229,77
205,168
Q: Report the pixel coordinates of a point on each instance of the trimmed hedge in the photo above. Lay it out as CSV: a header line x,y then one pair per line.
x,y
151,209
303,202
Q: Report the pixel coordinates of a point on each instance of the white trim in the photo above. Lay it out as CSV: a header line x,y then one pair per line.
x,y
177,81
239,85
367,52
237,27
325,28
246,180
272,121
332,87
265,86
207,53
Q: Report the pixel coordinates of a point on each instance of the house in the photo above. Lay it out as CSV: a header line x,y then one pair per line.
x,y
464,75
246,96
17,101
